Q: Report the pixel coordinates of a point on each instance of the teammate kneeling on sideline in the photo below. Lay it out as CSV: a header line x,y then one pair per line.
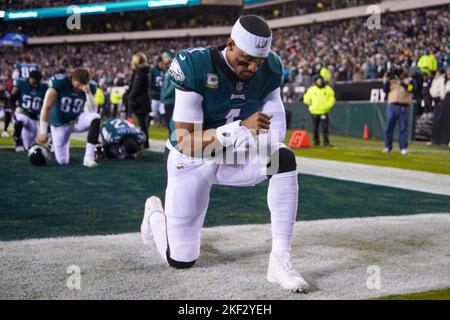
x,y
69,106
29,93
121,140
226,97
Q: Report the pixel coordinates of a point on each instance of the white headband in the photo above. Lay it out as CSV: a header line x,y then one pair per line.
x,y
249,43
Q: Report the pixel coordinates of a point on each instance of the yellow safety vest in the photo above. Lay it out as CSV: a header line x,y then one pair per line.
x,y
115,97
427,63
320,100
325,74
99,97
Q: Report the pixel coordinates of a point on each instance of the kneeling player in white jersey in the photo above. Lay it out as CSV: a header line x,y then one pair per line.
x,y
69,106
225,98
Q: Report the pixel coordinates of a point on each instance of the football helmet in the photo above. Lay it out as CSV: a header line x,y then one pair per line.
x,y
39,155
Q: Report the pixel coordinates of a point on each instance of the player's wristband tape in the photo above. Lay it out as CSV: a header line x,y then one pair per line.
x,y
43,127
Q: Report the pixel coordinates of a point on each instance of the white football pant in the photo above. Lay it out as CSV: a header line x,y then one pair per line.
x,y
61,136
187,196
29,130
157,107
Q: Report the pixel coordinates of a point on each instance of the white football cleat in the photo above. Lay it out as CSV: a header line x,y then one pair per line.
x,y
19,149
152,205
282,272
89,161
5,134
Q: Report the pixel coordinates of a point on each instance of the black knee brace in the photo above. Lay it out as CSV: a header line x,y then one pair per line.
x,y
18,126
282,160
94,131
178,264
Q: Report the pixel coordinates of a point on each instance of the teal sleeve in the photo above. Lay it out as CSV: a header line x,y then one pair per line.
x,y
276,69
57,82
93,87
186,72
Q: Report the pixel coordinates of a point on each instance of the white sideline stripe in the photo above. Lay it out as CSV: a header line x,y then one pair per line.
x,y
333,255
377,175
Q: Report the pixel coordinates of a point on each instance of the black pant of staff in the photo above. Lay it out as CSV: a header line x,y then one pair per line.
x,y
324,120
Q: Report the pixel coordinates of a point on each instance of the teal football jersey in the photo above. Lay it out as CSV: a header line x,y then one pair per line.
x,y
26,68
30,99
69,103
226,98
113,131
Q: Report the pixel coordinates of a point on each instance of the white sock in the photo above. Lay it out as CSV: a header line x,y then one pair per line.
x,y
282,198
90,149
158,226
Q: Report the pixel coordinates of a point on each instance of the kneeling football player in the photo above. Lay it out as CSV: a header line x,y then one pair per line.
x,y
225,96
122,140
29,94
69,106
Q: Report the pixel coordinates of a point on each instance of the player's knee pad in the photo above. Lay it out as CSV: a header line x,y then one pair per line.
x,y
282,160
18,126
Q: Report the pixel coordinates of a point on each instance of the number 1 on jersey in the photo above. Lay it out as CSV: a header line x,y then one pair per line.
x,y
232,114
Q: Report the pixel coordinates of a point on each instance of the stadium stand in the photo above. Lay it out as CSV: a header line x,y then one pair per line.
x,y
190,17
349,51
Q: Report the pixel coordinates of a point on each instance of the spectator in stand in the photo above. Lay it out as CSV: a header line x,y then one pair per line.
x,y
343,44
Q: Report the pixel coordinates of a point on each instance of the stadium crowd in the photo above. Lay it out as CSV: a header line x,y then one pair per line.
x,y
191,17
353,52
324,4
347,48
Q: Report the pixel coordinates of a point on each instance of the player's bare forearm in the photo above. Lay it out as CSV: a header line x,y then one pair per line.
x,y
49,100
192,141
45,113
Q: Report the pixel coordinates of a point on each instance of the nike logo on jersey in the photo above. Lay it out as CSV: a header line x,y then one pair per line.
x,y
182,58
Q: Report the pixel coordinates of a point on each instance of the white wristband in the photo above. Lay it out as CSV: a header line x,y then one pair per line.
x,y
43,127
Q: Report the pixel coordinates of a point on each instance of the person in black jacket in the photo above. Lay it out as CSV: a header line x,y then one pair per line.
x,y
138,99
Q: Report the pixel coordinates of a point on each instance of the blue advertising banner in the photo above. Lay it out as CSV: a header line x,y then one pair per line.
x,y
13,39
97,8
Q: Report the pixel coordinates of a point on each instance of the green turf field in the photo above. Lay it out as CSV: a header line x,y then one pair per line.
x,y
55,201
422,157
429,295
